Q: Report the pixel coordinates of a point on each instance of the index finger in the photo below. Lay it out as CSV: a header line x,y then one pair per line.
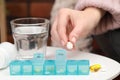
x,y
62,26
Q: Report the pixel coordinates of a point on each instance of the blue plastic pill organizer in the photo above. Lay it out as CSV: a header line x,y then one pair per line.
x,y
27,67
15,67
83,67
72,67
37,63
49,67
60,62
60,66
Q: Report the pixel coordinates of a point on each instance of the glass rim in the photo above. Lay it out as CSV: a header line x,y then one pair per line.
x,y
42,23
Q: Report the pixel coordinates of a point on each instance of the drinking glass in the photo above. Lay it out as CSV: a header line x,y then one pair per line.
x,y
30,36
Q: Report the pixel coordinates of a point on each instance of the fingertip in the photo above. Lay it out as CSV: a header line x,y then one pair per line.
x,y
73,40
63,42
74,35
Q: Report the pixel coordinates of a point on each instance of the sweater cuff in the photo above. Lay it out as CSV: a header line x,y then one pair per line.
x,y
111,20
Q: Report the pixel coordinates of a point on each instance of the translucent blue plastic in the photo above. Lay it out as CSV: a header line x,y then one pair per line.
x,y
39,57
49,67
38,62
60,55
15,68
60,66
27,67
61,69
83,67
37,69
72,67
60,62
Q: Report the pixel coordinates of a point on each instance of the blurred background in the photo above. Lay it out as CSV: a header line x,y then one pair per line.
x,y
11,9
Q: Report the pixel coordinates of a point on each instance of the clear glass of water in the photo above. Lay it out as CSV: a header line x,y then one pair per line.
x,y
30,36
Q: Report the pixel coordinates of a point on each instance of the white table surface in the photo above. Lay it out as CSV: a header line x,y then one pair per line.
x,y
110,70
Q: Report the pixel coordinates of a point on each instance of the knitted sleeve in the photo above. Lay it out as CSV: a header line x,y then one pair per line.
x,y
111,20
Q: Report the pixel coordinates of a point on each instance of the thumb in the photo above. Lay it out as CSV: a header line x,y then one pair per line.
x,y
75,34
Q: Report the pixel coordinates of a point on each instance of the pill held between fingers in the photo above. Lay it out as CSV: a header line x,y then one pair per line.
x,y
69,45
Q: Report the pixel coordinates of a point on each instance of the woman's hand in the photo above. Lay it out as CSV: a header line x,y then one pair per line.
x,y
70,25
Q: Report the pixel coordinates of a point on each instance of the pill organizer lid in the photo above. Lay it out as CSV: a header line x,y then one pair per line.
x,y
38,59
72,62
83,62
26,62
60,55
50,62
39,56
60,62
16,62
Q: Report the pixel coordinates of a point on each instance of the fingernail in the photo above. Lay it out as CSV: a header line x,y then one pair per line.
x,y
73,40
63,43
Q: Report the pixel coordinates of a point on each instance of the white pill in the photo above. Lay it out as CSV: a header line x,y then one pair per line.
x,y
69,45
